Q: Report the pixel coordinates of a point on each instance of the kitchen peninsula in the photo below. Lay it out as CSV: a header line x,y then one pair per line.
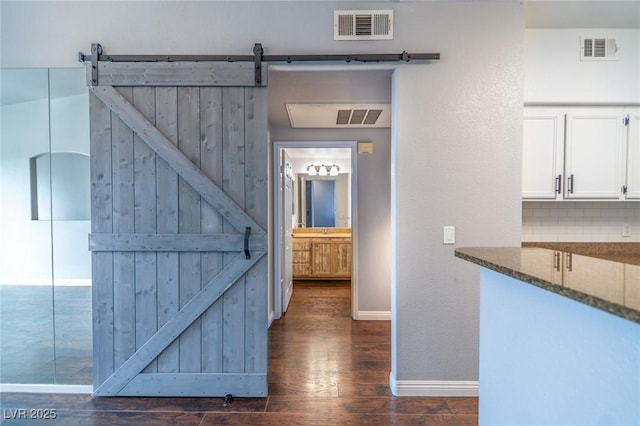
x,y
559,335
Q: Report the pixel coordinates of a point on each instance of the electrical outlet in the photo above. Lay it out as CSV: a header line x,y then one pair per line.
x,y
626,230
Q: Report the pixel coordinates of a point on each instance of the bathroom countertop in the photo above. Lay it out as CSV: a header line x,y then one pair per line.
x,y
611,284
321,233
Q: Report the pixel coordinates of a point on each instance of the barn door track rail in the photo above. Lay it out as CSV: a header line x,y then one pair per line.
x,y
97,55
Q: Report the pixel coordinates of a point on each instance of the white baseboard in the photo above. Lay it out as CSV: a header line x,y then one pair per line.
x,y
271,318
438,388
88,389
373,316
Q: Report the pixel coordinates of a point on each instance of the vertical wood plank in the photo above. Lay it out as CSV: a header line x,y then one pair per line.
x,y
234,186
189,222
167,223
223,131
256,151
101,221
211,222
145,222
123,222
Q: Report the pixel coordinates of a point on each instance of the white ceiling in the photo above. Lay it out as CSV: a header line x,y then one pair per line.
x,y
582,14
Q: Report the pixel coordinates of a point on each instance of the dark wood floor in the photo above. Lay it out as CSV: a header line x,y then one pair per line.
x,y
324,369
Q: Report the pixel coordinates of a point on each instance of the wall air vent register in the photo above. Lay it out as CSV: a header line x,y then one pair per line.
x,y
363,25
598,49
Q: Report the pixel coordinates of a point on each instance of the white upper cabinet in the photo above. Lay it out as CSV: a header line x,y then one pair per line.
x,y
594,151
543,146
633,154
581,153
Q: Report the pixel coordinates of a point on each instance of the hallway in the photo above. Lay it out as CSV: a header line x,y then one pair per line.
x,y
324,369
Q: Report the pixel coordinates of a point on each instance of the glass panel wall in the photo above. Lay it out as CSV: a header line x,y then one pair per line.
x,y
45,293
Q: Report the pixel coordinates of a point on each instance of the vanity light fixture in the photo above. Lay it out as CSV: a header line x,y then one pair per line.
x,y
322,170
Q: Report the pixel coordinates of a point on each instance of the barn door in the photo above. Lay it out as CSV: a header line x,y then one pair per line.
x,y
179,214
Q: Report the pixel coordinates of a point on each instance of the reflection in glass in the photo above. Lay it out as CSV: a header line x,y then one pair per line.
x,y
65,175
44,264
321,203
26,296
70,192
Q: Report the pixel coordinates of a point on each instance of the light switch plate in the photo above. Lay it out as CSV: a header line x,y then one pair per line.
x,y
448,235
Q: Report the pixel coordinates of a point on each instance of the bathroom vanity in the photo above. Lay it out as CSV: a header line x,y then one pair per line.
x,y
321,253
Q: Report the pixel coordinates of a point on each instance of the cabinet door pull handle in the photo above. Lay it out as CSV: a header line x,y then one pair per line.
x,y
569,262
570,183
559,184
556,261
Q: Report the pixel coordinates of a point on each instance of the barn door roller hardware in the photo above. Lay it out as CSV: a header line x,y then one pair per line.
x,y
257,58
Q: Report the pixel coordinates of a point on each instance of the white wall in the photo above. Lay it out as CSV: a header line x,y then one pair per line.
x,y
554,73
457,135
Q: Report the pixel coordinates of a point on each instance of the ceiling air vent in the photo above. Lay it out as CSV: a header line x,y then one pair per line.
x,y
363,25
358,116
598,48
339,115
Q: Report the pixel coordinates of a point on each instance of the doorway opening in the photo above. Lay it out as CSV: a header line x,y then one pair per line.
x,y
315,234
308,105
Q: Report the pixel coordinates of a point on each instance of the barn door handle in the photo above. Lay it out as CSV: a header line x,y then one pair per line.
x,y
247,233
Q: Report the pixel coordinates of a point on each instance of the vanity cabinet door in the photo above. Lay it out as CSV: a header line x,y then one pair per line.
x,y
301,258
342,259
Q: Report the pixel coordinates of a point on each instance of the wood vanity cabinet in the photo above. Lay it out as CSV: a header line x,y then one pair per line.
x,y
321,257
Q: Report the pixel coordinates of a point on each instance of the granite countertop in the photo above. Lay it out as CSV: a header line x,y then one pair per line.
x,y
611,286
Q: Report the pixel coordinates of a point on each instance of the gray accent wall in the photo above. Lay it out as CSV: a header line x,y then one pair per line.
x,y
456,160
456,141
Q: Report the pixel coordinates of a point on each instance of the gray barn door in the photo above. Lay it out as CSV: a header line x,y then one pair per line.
x,y
179,215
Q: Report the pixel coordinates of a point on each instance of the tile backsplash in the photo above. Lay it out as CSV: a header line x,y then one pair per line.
x,y
580,221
